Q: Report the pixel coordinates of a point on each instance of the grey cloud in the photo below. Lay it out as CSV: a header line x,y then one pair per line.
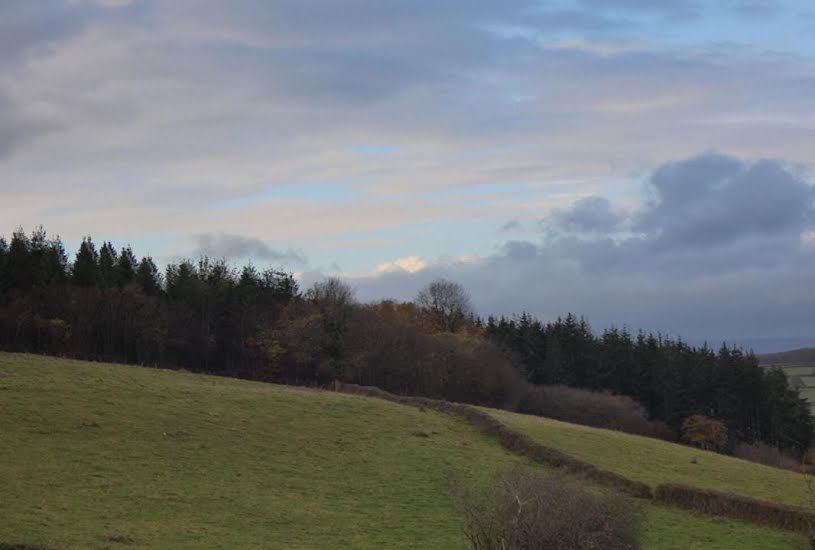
x,y
751,277
588,215
511,225
519,250
17,127
364,50
27,26
237,247
713,200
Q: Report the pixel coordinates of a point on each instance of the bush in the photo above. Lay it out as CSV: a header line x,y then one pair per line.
x,y
739,507
520,510
598,409
704,432
761,453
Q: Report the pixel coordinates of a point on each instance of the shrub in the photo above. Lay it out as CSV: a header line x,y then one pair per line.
x,y
761,453
520,510
598,409
704,432
717,503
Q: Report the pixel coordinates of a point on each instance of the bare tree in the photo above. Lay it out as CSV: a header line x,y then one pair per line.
x,y
331,291
448,304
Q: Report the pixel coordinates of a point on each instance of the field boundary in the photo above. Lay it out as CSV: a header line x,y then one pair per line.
x,y
511,440
708,502
718,503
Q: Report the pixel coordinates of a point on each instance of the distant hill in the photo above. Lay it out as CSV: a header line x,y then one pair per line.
x,y
798,357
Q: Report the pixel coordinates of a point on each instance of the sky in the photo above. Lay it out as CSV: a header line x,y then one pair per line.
x,y
639,162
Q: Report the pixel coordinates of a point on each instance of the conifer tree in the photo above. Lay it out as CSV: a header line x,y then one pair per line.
x,y
52,263
20,273
85,268
4,284
107,265
147,276
126,267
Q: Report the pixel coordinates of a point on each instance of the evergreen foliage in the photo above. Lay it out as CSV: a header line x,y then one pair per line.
x,y
671,378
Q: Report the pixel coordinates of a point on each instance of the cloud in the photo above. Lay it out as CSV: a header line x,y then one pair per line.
x,y
714,200
16,126
511,225
722,250
411,264
182,105
237,247
176,117
587,215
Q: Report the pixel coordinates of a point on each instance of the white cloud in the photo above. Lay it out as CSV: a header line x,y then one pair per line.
x,y
411,264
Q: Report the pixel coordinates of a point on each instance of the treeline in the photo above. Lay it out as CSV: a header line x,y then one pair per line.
x,y
208,316
672,379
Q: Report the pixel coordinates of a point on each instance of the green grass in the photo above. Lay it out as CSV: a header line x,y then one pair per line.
x,y
798,370
654,462
671,529
808,380
180,461
807,376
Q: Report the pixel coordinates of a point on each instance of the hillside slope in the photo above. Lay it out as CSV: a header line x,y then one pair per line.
x,y
655,462
802,356
95,455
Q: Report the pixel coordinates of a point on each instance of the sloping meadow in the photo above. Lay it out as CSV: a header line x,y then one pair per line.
x,y
95,455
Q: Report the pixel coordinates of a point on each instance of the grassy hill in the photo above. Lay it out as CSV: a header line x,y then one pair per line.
x,y
654,462
95,455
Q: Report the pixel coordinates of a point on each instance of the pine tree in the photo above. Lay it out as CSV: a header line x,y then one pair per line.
x,y
4,276
107,265
147,276
85,268
51,261
126,267
19,271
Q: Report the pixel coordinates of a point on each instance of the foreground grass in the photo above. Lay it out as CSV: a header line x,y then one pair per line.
x,y
91,454
655,462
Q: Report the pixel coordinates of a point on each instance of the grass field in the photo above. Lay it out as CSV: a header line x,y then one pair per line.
x,y
653,462
798,370
809,381
95,455
807,376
